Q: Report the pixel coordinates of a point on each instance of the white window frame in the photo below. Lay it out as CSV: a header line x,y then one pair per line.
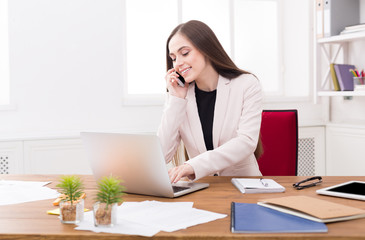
x,y
159,99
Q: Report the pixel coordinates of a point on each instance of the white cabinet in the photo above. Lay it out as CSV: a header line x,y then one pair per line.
x,y
55,156
330,50
43,156
345,150
345,142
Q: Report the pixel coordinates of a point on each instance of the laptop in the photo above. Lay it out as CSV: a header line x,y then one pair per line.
x,y
137,160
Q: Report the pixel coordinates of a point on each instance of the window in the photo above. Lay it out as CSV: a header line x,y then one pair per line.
x,y
215,15
4,55
269,38
256,45
148,24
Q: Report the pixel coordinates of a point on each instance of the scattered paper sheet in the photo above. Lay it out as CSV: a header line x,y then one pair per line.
x,y
13,192
150,217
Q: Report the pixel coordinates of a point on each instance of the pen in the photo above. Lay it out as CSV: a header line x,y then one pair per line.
x,y
263,183
353,72
357,73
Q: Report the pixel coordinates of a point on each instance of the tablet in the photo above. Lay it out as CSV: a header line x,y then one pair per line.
x,y
351,189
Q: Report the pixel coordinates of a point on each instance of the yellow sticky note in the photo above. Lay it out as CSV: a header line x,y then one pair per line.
x,y
54,211
57,211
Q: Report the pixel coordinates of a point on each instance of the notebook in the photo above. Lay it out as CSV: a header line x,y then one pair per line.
x,y
336,85
313,208
252,218
344,76
257,185
137,159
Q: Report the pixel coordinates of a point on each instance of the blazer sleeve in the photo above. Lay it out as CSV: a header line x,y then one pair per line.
x,y
168,132
239,149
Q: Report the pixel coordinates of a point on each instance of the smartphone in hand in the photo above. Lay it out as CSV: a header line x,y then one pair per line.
x,y
180,80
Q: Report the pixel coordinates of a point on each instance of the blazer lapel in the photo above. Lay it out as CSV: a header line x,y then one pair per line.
x,y
220,109
194,120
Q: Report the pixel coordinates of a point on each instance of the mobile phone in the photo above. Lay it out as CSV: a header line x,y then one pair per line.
x,y
180,80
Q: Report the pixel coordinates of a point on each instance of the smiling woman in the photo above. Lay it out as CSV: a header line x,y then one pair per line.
x,y
216,114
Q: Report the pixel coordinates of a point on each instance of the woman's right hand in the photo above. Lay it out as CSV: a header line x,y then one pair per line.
x,y
174,88
184,170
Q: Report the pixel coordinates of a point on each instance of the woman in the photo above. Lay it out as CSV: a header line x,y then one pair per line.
x,y
217,114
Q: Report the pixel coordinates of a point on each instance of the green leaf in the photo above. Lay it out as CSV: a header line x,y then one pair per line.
x,y
110,190
71,186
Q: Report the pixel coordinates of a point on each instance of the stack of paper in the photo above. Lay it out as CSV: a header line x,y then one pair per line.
x,y
150,217
354,28
13,192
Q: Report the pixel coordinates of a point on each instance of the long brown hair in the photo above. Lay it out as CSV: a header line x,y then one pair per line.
x,y
205,40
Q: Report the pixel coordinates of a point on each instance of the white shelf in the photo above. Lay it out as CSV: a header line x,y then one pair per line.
x,y
341,93
343,38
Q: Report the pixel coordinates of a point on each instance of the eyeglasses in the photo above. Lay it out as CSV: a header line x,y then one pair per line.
x,y
300,185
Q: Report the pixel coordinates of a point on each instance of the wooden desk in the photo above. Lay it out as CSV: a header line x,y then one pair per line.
x,y
30,221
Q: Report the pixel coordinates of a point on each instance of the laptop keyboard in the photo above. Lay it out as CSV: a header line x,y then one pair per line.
x,y
178,189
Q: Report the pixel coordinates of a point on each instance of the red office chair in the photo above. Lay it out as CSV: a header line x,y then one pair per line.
x,y
279,138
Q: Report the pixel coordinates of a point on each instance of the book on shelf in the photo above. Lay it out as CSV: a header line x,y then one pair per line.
x,y
257,185
252,218
336,85
337,14
354,28
313,208
319,18
344,76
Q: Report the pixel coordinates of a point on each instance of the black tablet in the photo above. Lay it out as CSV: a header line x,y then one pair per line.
x,y
351,189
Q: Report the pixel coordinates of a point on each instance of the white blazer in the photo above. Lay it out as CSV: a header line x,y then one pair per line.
x,y
236,127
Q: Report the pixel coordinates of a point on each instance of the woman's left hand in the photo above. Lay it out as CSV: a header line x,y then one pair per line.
x,y
181,171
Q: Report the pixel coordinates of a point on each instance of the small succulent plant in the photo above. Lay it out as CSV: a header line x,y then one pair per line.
x,y
72,188
110,190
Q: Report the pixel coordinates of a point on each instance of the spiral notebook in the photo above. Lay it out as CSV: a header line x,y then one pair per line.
x,y
257,185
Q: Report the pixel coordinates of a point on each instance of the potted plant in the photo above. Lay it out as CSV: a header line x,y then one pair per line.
x,y
108,196
71,206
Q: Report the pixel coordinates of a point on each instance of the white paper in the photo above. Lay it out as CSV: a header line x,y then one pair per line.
x,y
191,218
122,227
22,183
149,217
13,192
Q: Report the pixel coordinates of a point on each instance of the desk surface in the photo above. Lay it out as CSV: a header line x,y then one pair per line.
x,y
30,221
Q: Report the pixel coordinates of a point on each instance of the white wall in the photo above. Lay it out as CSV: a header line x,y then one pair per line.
x,y
66,63
66,69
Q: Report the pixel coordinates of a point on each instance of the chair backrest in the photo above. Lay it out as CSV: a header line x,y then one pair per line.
x,y
279,136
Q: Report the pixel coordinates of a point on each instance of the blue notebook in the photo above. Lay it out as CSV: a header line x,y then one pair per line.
x,y
253,218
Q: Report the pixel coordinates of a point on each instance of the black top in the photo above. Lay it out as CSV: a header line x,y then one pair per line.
x,y
206,102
